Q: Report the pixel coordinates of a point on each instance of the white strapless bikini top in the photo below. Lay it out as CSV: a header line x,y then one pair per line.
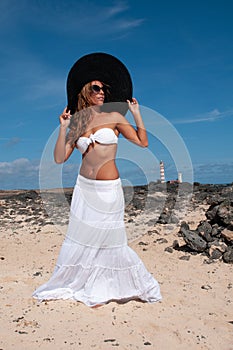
x,y
104,136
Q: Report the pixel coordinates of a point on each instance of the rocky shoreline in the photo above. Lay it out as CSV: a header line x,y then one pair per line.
x,y
165,204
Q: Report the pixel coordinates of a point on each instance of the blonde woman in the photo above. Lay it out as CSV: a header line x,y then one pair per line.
x,y
95,264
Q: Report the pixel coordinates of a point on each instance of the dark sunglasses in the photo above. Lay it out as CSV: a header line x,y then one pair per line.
x,y
96,89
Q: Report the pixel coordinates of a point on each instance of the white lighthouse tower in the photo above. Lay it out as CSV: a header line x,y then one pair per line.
x,y
162,175
180,177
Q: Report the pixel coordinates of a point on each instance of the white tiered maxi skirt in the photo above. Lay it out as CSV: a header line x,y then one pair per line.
x,y
95,264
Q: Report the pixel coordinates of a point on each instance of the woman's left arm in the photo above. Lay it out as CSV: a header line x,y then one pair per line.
x,y
138,136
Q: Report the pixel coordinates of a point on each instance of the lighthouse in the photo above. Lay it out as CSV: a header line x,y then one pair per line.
x,y
162,176
180,177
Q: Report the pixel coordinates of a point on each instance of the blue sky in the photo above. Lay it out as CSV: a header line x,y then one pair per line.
x,y
180,57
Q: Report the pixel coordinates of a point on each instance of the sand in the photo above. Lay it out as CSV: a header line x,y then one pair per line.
x,y
196,311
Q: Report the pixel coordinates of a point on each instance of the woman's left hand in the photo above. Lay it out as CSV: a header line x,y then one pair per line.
x,y
133,105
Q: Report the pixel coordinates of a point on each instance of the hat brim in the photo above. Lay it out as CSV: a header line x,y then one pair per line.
x,y
105,68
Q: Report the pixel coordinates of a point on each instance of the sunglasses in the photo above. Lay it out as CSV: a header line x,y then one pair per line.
x,y
96,89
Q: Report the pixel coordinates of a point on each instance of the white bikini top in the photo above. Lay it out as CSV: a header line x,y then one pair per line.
x,y
104,136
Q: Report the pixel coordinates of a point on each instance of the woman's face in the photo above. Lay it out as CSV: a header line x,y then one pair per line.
x,y
97,93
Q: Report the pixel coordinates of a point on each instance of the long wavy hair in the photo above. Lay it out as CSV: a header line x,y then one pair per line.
x,y
83,115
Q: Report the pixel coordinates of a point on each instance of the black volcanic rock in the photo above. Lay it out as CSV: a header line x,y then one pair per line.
x,y
194,240
24,196
224,213
212,212
228,255
205,230
184,227
168,218
162,203
213,236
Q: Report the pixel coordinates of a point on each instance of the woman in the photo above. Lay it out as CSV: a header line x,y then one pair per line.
x,y
95,264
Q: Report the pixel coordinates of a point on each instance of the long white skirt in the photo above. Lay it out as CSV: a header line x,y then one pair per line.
x,y
95,264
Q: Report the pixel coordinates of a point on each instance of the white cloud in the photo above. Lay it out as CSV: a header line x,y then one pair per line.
x,y
211,116
218,172
117,8
20,165
128,24
32,80
23,173
73,17
19,174
13,141
93,19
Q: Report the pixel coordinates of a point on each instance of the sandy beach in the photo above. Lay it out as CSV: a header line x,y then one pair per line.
x,y
196,311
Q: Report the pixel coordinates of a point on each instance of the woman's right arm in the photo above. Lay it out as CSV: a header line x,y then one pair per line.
x,y
63,149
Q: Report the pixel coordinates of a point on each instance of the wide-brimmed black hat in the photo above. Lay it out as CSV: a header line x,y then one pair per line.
x,y
105,68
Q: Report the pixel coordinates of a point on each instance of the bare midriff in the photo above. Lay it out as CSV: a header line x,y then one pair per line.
x,y
99,162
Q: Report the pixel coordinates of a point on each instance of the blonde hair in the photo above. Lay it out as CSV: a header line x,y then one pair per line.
x,y
83,115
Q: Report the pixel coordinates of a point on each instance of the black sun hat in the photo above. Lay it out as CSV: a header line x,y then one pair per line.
x,y
105,68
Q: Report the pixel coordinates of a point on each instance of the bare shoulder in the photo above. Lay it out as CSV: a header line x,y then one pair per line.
x,y
117,117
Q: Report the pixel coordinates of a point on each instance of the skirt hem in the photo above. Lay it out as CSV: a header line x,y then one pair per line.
x,y
70,295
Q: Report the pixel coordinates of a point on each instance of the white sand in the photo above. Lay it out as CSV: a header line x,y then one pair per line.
x,y
196,311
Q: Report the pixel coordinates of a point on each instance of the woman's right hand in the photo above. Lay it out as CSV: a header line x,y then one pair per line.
x,y
65,118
